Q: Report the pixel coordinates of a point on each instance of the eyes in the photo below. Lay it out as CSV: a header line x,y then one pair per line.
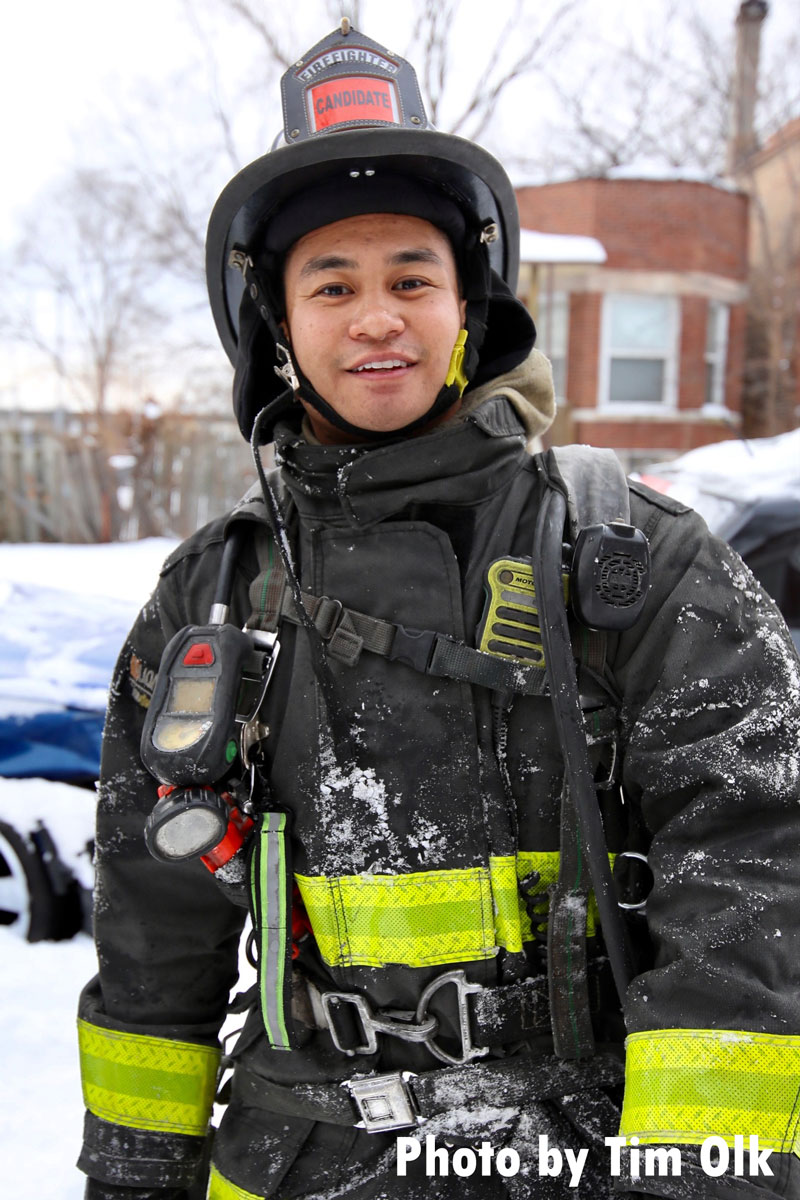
x,y
407,284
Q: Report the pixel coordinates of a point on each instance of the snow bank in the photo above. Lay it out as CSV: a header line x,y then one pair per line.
x,y
68,813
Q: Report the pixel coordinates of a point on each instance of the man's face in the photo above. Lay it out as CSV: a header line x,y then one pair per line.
x,y
373,309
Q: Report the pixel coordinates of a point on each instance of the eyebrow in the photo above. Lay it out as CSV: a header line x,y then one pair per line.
x,y
418,255
336,262
327,262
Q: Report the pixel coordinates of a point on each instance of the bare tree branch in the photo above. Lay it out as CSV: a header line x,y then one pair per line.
x,y
246,11
86,259
487,92
219,110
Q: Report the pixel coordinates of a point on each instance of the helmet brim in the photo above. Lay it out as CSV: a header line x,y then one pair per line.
x,y
460,167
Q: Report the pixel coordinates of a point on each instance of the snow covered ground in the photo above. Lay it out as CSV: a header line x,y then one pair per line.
x,y
40,1132
100,589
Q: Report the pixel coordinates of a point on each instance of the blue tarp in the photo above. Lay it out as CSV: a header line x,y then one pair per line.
x,y
63,745
57,653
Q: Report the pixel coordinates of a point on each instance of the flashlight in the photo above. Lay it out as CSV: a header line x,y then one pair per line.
x,y
185,822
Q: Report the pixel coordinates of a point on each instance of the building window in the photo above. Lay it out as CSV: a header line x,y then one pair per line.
x,y
716,353
552,332
640,351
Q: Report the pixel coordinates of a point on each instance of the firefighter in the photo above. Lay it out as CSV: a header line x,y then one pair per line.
x,y
443,1006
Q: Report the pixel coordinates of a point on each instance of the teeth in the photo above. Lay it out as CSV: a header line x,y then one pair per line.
x,y
385,365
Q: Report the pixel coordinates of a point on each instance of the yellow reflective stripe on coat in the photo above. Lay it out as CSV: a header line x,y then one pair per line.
x,y
220,1188
427,918
513,922
684,1085
147,1082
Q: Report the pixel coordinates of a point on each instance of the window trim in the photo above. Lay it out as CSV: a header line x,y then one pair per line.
x,y
720,314
545,301
670,358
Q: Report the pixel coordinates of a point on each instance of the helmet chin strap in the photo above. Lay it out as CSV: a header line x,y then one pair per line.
x,y
449,394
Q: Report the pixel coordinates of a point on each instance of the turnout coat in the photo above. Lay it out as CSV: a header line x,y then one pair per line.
x,y
408,847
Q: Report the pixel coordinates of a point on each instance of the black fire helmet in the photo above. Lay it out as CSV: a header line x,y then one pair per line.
x,y
355,139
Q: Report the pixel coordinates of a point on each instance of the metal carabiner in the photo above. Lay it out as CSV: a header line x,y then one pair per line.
x,y
463,989
372,1023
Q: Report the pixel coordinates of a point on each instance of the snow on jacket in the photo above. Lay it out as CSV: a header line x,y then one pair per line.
x,y
408,855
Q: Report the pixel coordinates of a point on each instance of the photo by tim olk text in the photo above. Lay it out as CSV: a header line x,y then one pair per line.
x,y
625,1155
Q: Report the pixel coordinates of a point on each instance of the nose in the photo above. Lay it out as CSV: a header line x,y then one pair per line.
x,y
377,319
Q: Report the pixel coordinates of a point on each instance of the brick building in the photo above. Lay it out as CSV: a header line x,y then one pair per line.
x,y
771,177
648,345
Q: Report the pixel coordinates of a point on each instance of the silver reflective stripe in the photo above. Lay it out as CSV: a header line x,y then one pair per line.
x,y
269,882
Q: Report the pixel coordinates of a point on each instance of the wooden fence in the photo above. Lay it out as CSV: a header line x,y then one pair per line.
x,y
79,479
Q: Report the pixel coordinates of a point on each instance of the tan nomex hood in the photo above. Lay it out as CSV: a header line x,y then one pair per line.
x,y
528,386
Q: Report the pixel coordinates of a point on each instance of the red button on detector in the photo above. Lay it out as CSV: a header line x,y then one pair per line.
x,y
199,654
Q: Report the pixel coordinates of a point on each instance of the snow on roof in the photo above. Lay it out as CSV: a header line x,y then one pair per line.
x,y
536,247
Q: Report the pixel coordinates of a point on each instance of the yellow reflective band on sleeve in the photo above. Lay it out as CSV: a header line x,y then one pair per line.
x,y
427,917
147,1082
684,1085
220,1188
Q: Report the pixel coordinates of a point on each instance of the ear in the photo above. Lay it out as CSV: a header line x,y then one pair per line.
x,y
463,309
284,327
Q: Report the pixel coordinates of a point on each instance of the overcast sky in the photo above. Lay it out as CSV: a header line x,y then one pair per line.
x,y
59,63
62,63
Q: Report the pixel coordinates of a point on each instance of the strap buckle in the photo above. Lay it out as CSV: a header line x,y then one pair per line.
x,y
369,1024
385,1102
285,369
413,647
327,616
463,989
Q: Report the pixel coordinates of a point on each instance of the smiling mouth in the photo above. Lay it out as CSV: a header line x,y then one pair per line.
x,y
389,364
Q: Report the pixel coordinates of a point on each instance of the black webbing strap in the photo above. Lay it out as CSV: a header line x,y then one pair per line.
x,y
456,661
514,1012
347,632
338,724
560,666
519,1080
268,588
566,943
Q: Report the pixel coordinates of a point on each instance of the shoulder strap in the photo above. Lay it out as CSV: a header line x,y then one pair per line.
x,y
595,484
597,493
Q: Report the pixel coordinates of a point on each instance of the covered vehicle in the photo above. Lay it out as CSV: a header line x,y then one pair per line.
x,y
749,494
65,610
